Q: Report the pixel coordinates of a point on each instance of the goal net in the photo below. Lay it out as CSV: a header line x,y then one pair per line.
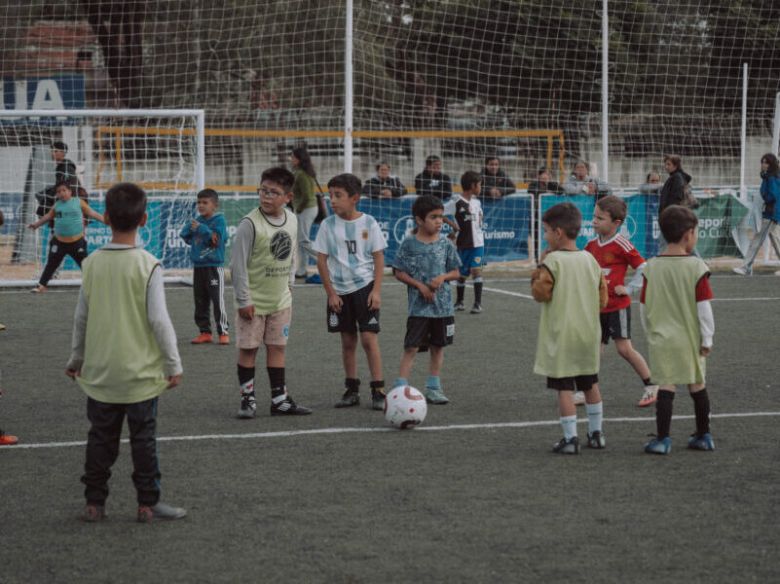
x,y
161,150
461,79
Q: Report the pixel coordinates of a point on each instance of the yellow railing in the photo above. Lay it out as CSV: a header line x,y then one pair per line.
x,y
117,132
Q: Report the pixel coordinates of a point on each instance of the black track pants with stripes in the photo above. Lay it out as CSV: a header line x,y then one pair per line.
x,y
208,289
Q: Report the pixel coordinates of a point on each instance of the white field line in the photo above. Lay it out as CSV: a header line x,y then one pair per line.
x,y
331,431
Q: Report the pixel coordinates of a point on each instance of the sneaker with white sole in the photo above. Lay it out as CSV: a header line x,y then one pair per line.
x,y
248,408
596,440
459,307
435,396
570,446
703,442
649,397
659,446
288,407
147,513
579,398
476,309
742,271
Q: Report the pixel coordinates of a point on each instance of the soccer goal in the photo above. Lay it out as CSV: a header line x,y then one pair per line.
x,y
161,150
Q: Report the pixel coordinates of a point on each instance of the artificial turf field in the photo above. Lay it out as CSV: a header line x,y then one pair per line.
x,y
474,495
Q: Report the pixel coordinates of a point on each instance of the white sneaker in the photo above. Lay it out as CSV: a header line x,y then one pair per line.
x,y
579,398
742,271
649,397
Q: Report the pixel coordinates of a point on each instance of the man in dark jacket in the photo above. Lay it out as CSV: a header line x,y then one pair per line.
x,y
64,172
383,185
543,184
673,191
495,182
432,181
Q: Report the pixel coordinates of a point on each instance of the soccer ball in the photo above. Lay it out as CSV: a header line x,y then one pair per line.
x,y
405,407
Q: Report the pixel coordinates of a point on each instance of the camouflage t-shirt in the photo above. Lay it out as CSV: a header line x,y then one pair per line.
x,y
424,262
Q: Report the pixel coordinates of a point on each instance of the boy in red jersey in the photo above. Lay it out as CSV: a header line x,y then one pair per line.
x,y
615,254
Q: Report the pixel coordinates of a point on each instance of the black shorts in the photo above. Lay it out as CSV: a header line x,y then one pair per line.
x,y
355,314
422,332
577,383
616,325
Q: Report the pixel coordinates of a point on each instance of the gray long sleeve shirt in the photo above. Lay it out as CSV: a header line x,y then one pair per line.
x,y
240,253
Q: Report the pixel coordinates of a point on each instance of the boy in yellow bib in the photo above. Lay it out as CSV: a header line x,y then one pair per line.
x,y
677,316
263,270
123,356
570,284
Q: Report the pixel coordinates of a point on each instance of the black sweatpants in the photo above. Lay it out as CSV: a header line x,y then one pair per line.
x,y
57,252
103,449
208,288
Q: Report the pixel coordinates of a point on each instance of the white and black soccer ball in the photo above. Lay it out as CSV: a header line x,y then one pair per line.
x,y
405,407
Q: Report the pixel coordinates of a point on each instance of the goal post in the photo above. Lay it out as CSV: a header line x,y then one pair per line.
x,y
162,150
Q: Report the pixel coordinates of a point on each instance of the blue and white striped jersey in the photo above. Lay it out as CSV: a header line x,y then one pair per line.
x,y
349,246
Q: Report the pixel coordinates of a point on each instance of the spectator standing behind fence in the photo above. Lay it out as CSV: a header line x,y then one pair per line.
x,y
674,190
582,183
65,172
543,184
770,217
304,205
383,185
495,182
432,181
652,184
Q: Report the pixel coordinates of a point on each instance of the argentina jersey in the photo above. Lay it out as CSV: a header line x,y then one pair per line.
x,y
350,246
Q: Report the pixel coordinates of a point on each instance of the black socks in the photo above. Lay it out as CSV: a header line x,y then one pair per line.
x,y
701,407
663,413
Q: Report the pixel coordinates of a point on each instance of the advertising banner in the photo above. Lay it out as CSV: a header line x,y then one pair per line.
x,y
506,225
718,217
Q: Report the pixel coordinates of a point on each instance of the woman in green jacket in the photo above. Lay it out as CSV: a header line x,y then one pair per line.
x,y
305,205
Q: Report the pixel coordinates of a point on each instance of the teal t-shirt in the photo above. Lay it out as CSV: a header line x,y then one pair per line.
x,y
68,218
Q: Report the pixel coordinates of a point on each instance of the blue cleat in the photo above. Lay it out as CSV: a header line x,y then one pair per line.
x,y
703,442
656,446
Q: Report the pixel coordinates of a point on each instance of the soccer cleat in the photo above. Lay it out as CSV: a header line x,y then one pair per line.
x,y
476,309
147,514
570,446
248,407
288,407
313,279
703,442
2,327
579,398
435,396
7,439
743,271
377,400
202,338
596,440
459,307
93,513
659,446
349,399
649,397
39,289
224,340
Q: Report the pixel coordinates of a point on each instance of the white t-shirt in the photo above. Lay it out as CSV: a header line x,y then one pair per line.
x,y
349,246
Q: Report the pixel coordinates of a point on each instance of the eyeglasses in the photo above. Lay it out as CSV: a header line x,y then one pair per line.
x,y
268,193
